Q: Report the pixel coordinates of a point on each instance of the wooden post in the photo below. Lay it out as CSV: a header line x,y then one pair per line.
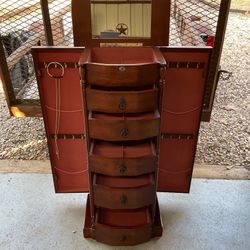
x,y
47,22
5,77
212,79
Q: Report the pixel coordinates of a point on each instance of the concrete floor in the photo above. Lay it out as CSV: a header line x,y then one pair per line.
x,y
215,215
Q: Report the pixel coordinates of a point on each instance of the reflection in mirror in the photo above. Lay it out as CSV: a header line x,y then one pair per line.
x,y
121,18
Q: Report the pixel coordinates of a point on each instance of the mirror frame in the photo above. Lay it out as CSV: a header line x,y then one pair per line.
x,y
82,28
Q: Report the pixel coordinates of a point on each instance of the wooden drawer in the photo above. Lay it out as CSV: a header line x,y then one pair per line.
x,y
123,192
122,101
129,75
119,127
123,227
122,159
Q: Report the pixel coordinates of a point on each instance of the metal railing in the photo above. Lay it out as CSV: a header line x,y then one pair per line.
x,y
27,23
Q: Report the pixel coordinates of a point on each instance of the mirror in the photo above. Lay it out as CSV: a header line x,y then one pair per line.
x,y
121,19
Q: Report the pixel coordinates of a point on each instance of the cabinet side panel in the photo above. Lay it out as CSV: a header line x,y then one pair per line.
x,y
62,105
181,112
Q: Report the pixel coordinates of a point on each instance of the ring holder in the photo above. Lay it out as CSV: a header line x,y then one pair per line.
x,y
56,64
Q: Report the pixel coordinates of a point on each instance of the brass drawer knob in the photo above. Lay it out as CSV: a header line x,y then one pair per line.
x,y
122,68
124,133
123,238
122,104
122,168
124,199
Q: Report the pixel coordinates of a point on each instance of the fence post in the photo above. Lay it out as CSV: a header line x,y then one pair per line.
x,y
47,22
5,77
215,60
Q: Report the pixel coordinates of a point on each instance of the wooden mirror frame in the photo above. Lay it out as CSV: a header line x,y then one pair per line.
x,y
82,29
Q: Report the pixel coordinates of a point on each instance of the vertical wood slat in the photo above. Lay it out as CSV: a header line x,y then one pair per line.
x,y
5,77
47,22
112,16
136,16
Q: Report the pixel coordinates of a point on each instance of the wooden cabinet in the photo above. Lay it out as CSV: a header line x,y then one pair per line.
x,y
122,124
122,102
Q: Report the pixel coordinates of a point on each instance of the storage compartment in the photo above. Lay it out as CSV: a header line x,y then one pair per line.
x,y
69,165
123,218
183,92
123,227
122,101
123,192
127,66
121,127
122,159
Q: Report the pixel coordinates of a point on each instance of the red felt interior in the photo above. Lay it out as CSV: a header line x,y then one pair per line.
x,y
123,182
176,154
126,150
122,55
71,165
121,117
70,168
182,104
174,182
124,218
183,94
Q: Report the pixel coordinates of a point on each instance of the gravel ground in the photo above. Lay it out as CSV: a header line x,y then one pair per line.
x,y
223,141
226,139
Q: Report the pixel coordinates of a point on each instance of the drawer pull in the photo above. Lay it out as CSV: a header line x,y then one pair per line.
x,y
124,238
124,133
122,104
122,68
122,168
124,199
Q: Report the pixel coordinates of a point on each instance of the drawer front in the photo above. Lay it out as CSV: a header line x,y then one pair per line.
x,y
122,101
122,75
122,236
123,198
122,167
111,130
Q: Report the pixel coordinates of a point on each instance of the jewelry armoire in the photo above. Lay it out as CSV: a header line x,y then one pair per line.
x,y
122,112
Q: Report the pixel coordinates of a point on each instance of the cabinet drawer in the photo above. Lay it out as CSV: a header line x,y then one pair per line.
x,y
122,159
123,75
122,101
119,127
123,227
123,192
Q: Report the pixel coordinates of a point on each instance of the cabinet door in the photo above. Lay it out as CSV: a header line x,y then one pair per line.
x,y
62,105
181,112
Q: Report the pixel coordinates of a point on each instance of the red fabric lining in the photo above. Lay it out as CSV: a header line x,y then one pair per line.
x,y
123,182
122,55
118,151
123,218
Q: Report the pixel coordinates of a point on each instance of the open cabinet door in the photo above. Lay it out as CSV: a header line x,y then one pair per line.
x,y
62,105
183,93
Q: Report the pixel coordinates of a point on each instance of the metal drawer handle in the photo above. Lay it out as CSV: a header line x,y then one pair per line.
x,y
123,238
122,168
124,199
124,133
122,68
122,104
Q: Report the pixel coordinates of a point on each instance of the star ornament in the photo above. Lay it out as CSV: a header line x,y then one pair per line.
x,y
122,28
